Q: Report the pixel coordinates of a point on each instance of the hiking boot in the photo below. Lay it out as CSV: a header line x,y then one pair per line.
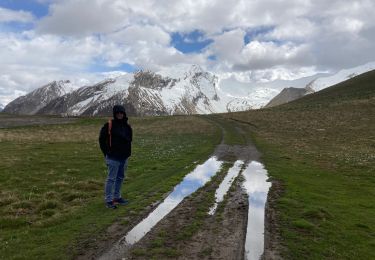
x,y
110,205
120,201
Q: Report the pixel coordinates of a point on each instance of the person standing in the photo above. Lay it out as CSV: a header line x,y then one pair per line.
x,y
115,142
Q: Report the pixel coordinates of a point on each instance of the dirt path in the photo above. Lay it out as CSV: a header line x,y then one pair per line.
x,y
188,232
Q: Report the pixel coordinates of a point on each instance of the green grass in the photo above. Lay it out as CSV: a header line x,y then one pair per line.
x,y
52,179
321,148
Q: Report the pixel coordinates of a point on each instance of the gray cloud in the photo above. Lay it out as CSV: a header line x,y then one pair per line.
x,y
83,17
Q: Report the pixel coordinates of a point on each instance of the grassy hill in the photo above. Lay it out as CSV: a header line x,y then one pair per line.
x,y
321,148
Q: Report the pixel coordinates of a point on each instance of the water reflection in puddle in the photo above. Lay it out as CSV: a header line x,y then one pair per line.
x,y
193,181
257,188
225,185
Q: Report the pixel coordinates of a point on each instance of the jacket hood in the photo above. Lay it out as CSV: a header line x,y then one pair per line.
x,y
118,108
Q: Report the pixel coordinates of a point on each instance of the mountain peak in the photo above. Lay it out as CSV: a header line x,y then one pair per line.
x,y
35,100
181,89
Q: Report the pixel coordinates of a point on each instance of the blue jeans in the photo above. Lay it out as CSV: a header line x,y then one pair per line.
x,y
116,175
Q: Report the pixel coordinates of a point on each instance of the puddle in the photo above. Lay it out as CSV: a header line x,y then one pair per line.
x,y
226,184
257,187
191,182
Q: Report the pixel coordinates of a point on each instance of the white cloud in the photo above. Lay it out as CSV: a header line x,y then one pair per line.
x,y
233,54
299,29
135,34
30,61
7,15
28,49
261,55
284,39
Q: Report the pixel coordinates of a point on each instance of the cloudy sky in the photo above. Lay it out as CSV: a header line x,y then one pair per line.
x,y
254,40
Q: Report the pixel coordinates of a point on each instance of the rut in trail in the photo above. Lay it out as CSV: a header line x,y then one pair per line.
x,y
182,228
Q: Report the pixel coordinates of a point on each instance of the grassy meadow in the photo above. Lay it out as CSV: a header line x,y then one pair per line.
x,y
52,179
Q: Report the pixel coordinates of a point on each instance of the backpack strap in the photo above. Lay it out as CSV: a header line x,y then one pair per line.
x,y
110,132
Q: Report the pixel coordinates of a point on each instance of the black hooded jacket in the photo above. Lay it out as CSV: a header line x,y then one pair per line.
x,y
121,137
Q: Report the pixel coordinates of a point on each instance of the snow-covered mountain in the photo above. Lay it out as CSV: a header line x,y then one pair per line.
x,y
1,107
37,99
330,80
181,89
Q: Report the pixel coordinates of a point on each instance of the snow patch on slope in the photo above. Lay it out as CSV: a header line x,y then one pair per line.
x,y
342,75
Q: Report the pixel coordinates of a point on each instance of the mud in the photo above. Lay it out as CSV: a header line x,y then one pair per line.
x,y
222,236
94,247
272,245
244,153
218,236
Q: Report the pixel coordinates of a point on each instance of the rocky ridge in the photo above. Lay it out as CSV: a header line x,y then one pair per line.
x,y
288,95
181,89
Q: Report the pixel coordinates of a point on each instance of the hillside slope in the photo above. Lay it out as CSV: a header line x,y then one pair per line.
x,y
320,153
360,87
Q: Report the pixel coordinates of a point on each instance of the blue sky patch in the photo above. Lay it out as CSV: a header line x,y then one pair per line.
x,y
212,57
15,27
190,42
32,6
99,66
254,33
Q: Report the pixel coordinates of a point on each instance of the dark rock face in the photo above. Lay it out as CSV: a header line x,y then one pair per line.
x,y
288,95
151,80
94,100
37,99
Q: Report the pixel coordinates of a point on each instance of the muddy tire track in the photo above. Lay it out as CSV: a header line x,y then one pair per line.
x,y
221,236
188,231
